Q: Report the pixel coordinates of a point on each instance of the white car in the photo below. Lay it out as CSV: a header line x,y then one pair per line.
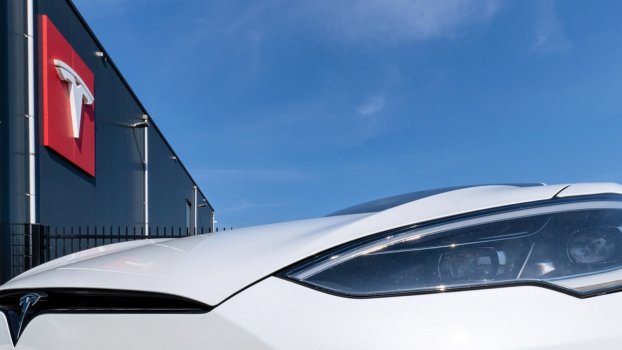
x,y
486,267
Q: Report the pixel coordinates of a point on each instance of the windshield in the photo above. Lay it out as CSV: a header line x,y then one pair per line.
x,y
394,201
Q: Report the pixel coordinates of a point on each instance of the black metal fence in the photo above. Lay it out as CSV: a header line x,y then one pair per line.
x,y
32,245
19,246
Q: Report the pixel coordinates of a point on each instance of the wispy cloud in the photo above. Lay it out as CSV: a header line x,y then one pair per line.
x,y
369,21
550,35
397,20
372,106
252,174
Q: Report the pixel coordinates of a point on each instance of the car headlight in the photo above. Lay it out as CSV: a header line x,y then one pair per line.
x,y
470,264
575,247
594,245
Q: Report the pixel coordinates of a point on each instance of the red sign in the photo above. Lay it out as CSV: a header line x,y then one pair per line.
x,y
68,100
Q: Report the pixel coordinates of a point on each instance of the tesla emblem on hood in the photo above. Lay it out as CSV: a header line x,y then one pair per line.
x,y
26,303
19,313
79,94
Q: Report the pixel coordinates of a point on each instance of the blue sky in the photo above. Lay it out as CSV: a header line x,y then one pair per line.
x,y
288,109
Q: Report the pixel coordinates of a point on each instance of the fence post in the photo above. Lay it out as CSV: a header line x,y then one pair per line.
x,y
27,247
37,243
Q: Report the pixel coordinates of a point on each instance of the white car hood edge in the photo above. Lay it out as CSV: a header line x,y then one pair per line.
x,y
211,268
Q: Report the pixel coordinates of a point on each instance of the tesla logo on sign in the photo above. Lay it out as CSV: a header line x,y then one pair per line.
x,y
79,94
68,100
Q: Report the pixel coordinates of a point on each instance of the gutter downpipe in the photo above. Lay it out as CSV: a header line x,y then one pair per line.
x,y
146,145
31,115
196,208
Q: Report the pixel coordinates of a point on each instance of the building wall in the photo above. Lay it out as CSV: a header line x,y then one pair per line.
x,y
174,189
14,124
66,195
4,246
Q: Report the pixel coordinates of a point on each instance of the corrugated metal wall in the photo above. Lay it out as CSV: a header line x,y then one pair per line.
x,y
66,195
14,127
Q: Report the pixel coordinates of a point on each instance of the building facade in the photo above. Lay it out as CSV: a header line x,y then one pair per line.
x,y
78,151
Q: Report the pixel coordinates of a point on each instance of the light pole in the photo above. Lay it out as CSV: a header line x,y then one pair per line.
x,y
202,205
144,124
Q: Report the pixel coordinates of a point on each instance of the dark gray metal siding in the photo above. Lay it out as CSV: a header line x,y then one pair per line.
x,y
14,127
115,196
174,187
4,201
16,114
68,197
4,73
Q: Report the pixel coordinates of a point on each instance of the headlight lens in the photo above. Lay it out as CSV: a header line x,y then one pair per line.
x,y
575,247
469,264
594,245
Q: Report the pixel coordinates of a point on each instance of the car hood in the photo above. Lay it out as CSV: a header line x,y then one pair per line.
x,y
211,268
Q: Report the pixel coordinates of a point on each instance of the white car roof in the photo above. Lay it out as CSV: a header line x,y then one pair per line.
x,y
211,268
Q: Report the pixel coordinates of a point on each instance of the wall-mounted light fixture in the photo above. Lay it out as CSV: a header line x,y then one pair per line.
x,y
139,125
143,124
102,55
